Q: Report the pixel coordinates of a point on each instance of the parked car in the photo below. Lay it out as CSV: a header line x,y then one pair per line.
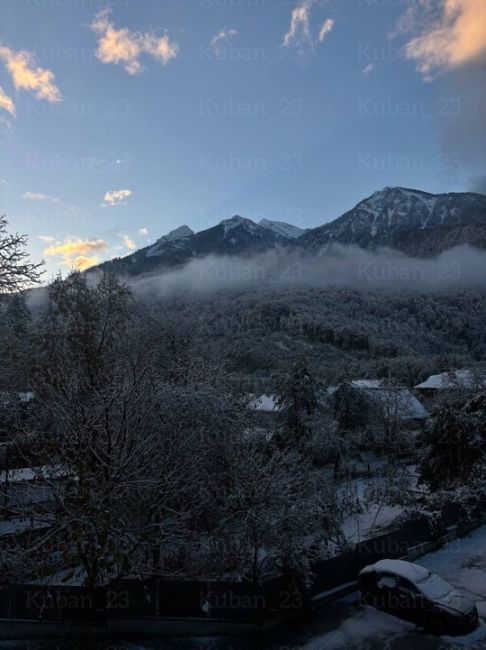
x,y
412,592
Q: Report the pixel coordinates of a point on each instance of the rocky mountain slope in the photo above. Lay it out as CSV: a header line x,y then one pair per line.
x,y
417,223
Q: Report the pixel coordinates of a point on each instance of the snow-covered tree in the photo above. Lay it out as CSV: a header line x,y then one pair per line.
x,y
455,446
16,269
298,393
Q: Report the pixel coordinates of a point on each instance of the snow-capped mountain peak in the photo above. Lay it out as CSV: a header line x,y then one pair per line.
x,y
284,229
236,221
178,233
413,221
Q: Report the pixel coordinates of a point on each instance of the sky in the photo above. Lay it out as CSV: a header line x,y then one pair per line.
x,y
121,121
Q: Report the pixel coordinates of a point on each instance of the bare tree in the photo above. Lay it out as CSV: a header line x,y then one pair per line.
x,y
16,270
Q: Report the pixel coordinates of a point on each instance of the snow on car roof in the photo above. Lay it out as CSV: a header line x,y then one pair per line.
x,y
407,570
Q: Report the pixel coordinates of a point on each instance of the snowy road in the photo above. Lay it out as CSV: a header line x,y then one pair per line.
x,y
343,625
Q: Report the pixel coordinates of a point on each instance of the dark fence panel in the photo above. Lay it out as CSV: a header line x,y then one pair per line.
x,y
235,601
42,603
184,598
334,572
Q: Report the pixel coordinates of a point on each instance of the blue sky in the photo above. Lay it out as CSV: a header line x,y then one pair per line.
x,y
122,121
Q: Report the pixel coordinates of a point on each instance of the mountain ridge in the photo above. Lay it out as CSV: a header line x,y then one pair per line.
x,y
415,222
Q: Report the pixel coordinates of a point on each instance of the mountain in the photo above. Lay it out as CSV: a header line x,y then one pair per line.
x,y
235,236
415,222
285,229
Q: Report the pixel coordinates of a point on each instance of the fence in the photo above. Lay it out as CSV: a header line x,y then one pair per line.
x,y
245,602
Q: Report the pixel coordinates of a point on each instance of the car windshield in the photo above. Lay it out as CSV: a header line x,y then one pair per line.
x,y
434,588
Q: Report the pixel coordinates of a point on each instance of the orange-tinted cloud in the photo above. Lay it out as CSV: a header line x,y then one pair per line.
x,y
451,33
129,243
83,262
6,102
126,47
26,76
75,253
117,197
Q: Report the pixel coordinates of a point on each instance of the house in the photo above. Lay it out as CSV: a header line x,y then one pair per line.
x,y
455,381
392,405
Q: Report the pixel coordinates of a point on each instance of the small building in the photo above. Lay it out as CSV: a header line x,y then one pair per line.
x,y
456,382
392,405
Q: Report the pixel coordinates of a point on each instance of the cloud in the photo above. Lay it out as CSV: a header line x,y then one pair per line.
x,y
26,76
38,196
223,35
75,253
300,35
129,243
122,46
47,239
117,197
368,68
341,265
449,34
143,232
326,27
6,102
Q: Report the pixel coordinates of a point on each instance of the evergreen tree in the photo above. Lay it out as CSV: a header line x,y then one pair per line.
x,y
455,447
298,400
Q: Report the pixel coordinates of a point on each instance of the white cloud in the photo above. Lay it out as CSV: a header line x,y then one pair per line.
x,y
38,196
6,102
447,34
223,35
117,197
26,76
326,27
368,68
47,239
299,35
122,46
143,232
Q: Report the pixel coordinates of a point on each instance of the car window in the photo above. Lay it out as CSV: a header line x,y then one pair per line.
x,y
386,582
408,587
434,587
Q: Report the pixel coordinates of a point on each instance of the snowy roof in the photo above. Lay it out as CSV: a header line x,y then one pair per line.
x,y
463,378
404,401
22,396
267,403
32,474
407,570
367,383
398,397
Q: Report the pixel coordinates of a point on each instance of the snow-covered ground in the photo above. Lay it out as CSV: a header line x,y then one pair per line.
x,y
361,526
462,563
